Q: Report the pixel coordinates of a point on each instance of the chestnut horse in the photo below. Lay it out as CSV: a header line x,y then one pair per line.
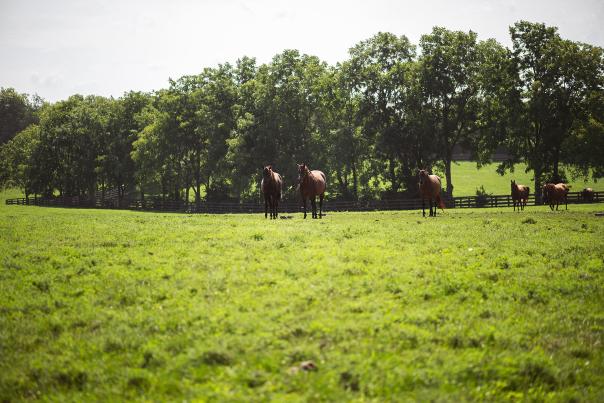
x,y
312,184
555,194
520,194
271,189
429,188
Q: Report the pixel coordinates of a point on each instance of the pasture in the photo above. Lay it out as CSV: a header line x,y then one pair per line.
x,y
467,178
471,305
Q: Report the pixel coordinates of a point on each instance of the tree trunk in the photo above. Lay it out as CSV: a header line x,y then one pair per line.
x,y
556,174
448,174
393,181
197,191
538,195
355,182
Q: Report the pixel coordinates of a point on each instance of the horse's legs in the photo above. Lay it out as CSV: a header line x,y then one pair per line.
x,y
276,207
271,203
321,205
266,206
313,202
431,213
304,204
423,207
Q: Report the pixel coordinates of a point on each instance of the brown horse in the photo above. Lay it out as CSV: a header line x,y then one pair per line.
x,y
312,184
271,189
520,194
429,188
555,194
587,195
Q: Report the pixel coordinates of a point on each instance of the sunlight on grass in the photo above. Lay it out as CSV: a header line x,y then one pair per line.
x,y
472,305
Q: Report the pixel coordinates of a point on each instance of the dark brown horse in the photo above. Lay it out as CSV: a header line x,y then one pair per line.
x,y
587,195
271,189
555,194
312,184
429,188
520,194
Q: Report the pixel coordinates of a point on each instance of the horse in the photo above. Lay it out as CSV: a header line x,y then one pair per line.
x,y
555,193
429,188
587,195
311,184
520,194
271,189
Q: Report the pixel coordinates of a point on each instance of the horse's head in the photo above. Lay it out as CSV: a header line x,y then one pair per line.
x,y
303,171
423,176
513,184
267,171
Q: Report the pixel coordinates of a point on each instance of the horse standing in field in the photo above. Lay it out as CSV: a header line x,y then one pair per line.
x,y
587,195
271,189
311,184
555,194
520,194
429,188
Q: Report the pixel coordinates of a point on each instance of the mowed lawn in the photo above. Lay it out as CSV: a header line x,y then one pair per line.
x,y
467,179
389,306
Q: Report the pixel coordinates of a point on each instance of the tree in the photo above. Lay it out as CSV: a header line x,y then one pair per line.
x,y
17,111
557,82
342,141
449,65
16,160
115,167
379,69
277,119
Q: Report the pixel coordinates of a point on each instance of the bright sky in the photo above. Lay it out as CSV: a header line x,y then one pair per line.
x,y
106,47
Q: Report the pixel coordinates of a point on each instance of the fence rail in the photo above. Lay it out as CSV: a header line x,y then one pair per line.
x,y
285,207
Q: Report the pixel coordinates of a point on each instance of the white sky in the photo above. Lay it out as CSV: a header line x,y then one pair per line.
x,y
57,48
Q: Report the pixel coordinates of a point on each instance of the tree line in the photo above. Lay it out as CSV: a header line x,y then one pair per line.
x,y
369,122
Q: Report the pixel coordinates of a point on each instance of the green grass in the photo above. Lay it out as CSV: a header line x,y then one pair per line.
x,y
472,305
467,178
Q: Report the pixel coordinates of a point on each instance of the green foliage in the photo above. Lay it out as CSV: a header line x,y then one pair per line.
x,y
369,122
475,304
17,111
556,82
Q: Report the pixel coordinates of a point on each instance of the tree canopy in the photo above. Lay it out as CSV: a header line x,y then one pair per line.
x,y
369,122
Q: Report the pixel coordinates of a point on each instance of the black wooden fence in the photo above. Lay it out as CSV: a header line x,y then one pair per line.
x,y
285,207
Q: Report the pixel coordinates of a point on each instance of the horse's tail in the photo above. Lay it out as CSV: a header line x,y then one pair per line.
x,y
440,202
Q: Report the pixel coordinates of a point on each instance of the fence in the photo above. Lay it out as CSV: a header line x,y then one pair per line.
x,y
286,207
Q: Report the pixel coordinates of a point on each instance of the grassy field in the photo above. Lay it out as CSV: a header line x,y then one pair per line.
x,y
467,178
472,305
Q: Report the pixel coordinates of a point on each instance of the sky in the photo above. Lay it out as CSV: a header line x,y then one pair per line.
x,y
107,47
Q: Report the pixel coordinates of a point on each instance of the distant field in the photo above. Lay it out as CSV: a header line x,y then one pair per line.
x,y
472,305
467,178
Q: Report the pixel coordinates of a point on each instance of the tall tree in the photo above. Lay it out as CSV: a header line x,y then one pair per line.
x,y
556,81
379,70
449,65
277,120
